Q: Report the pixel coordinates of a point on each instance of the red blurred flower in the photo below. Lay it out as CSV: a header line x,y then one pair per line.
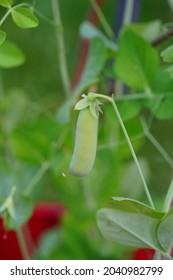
x,y
143,254
45,216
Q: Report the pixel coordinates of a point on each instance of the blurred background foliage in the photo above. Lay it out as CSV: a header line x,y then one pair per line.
x,y
35,148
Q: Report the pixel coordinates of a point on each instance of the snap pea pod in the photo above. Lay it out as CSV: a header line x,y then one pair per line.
x,y
85,144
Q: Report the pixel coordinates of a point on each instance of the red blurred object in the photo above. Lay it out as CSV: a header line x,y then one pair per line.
x,y
143,254
45,216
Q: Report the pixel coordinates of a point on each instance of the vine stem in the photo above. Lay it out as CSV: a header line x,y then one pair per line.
x,y
22,244
133,153
110,99
61,47
103,21
44,167
128,12
156,144
168,198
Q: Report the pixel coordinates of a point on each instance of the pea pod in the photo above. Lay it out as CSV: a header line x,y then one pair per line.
x,y
85,143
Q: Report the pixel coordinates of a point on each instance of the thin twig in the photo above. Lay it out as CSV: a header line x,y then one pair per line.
x,y
156,144
22,244
44,167
61,47
102,19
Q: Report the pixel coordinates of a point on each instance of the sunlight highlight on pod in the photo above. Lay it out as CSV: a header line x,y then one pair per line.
x,y
85,144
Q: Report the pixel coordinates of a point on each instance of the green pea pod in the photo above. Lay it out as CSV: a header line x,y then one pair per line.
x,y
85,144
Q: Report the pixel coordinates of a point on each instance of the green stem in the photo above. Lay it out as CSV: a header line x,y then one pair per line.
x,y
127,16
133,153
119,143
168,198
61,47
103,21
110,99
156,144
128,12
36,178
5,16
22,244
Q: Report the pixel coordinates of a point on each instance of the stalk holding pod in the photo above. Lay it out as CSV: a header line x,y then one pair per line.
x,y
86,136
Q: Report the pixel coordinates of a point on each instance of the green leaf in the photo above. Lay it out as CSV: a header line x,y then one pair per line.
x,y
162,104
131,183
167,54
147,30
6,3
31,141
164,110
15,207
2,36
165,231
129,109
130,222
96,60
24,18
10,55
137,61
169,70
14,110
89,31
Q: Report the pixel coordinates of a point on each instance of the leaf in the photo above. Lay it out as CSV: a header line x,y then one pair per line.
x,y
165,231
148,30
167,54
162,104
137,61
10,55
31,141
169,70
170,2
15,109
2,36
6,3
130,222
131,183
24,18
89,31
164,110
129,109
14,206
95,62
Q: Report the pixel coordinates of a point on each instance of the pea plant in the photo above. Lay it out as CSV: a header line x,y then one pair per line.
x,y
125,220
111,184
